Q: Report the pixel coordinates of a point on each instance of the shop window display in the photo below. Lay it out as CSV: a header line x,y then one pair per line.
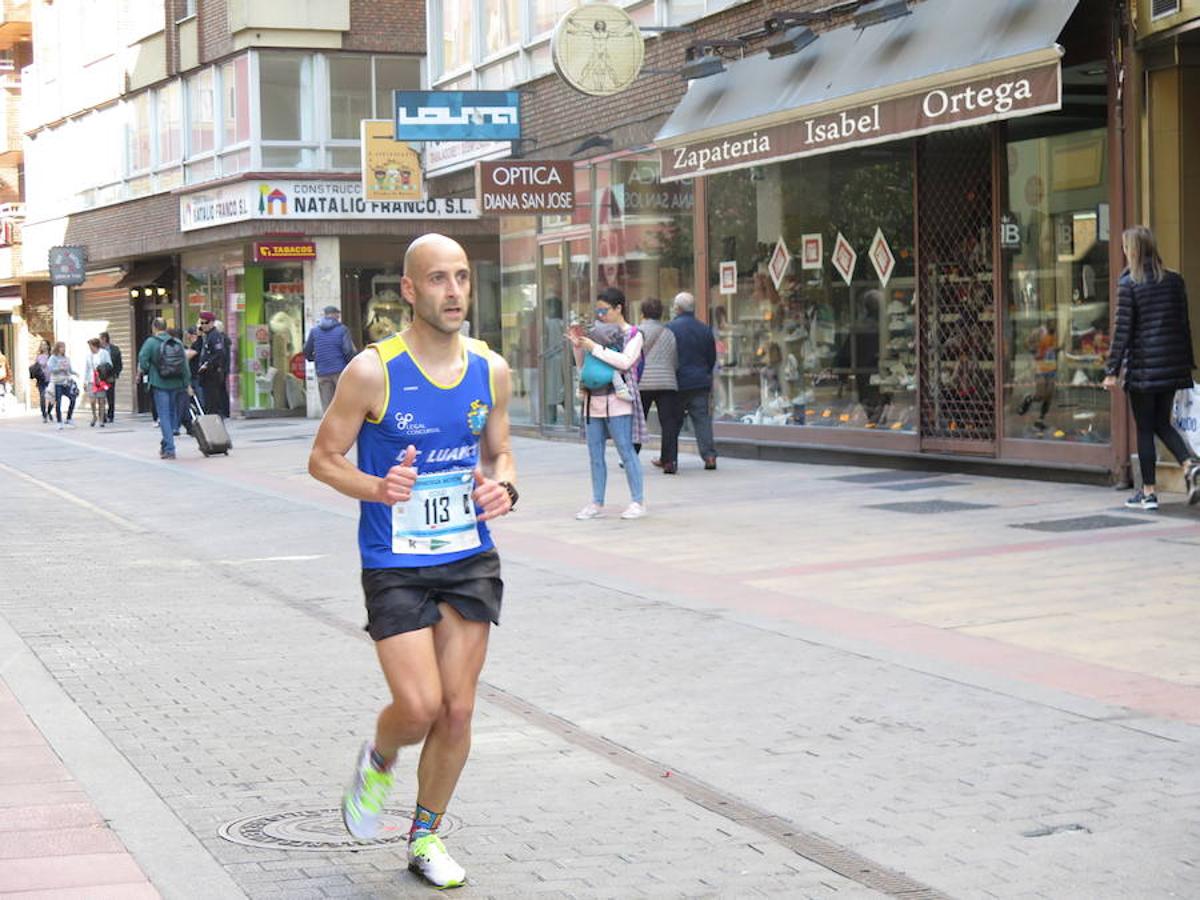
x,y
812,291
1057,322
375,291
518,309
274,340
644,232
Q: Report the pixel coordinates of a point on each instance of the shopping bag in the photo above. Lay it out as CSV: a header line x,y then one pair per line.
x,y
1186,415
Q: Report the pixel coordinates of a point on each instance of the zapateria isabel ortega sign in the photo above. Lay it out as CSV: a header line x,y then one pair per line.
x,y
982,100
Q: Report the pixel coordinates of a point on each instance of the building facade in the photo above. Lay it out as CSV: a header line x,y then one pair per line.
x,y
21,304
906,234
223,173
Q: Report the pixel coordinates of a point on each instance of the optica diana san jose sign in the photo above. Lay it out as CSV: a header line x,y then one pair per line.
x,y
301,200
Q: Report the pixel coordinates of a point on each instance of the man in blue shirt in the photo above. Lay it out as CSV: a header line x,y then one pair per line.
x,y
330,347
427,410
696,349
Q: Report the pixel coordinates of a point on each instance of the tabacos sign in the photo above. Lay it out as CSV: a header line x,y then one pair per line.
x,y
525,187
970,103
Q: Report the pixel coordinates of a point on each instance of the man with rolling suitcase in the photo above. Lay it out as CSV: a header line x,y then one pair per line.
x,y
209,431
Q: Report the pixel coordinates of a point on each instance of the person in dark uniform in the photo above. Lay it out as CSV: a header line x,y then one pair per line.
x,y
214,367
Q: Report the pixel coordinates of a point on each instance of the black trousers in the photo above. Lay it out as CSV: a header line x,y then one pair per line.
x,y
112,396
668,420
1152,414
216,394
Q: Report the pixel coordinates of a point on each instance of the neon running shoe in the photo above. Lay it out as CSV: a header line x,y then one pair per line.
x,y
363,803
427,857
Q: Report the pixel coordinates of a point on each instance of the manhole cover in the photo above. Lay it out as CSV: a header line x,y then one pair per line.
x,y
882,477
920,485
929,507
1081,523
318,829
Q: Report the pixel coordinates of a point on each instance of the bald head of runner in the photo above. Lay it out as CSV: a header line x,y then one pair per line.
x,y
437,282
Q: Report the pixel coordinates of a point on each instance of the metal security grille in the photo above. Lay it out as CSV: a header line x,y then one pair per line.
x,y
956,309
1160,8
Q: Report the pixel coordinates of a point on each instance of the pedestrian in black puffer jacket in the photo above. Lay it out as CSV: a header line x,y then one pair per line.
x,y
1152,342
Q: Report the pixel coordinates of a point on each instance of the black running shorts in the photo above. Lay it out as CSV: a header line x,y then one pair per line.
x,y
406,599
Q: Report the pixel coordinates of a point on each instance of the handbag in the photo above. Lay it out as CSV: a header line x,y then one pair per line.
x,y
73,389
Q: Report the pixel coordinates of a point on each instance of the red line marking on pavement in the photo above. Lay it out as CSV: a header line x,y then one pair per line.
x,y
878,562
1143,693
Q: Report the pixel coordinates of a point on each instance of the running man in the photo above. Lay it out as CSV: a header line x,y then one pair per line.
x,y
429,412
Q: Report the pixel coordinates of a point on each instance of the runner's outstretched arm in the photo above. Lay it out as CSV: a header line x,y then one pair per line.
x,y
360,394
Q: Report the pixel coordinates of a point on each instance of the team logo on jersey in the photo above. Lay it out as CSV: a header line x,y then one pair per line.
x,y
406,423
477,416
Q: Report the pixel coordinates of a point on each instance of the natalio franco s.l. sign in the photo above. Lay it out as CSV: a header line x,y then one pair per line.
x,y
597,49
525,187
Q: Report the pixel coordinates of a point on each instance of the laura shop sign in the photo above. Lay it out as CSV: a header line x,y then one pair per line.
x,y
988,99
525,187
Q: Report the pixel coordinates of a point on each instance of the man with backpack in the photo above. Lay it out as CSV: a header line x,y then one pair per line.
x,y
163,359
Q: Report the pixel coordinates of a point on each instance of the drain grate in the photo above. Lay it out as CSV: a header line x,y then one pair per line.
x,y
318,829
920,485
882,477
1081,523
931,507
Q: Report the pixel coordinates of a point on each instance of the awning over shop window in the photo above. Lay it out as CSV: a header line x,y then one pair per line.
x,y
950,64
144,272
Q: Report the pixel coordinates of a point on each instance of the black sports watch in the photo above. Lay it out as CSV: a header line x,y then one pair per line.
x,y
512,494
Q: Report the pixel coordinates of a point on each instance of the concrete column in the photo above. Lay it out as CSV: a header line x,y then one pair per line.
x,y
62,319
322,287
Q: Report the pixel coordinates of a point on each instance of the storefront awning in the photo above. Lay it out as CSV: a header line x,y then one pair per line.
x,y
144,272
947,65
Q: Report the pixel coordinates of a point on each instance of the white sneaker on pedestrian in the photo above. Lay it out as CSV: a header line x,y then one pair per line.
x,y
634,511
591,511
1191,478
362,805
427,857
60,426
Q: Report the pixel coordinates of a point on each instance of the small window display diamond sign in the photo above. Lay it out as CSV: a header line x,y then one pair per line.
x,y
780,260
882,258
812,250
844,258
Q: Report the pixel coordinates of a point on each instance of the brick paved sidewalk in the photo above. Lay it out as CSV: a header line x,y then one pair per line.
x,y
53,842
672,706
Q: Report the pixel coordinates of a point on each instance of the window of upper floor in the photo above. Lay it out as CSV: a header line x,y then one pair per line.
x,y
261,110
496,44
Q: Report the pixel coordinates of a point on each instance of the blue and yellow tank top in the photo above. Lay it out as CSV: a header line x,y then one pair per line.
x,y
444,423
